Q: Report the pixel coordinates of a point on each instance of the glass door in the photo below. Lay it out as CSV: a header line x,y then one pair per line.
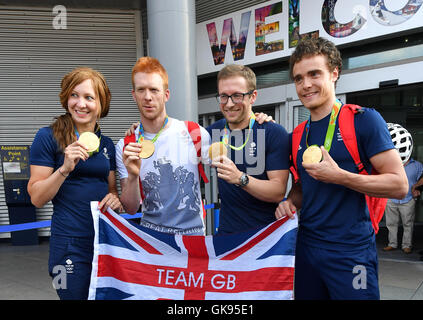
x,y
402,105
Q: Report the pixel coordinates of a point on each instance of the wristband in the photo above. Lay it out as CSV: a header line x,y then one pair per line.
x,y
62,173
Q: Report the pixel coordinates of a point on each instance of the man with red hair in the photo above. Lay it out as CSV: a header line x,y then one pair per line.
x,y
159,168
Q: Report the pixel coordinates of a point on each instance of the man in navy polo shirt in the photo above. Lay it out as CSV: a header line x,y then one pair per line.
x,y
336,255
252,178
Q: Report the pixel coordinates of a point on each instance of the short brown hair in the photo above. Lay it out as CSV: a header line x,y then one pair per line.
x,y
234,70
308,47
150,65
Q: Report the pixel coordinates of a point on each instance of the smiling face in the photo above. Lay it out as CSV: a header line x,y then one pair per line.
x,y
315,83
237,115
83,106
150,95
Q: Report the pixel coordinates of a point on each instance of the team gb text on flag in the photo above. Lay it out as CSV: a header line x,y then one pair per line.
x,y
134,262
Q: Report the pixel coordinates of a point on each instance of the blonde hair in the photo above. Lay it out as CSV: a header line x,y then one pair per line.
x,y
63,126
236,70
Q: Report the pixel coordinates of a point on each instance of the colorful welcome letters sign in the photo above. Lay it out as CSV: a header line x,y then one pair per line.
x,y
272,29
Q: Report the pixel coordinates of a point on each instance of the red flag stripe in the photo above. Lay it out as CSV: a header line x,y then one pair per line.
x,y
235,254
138,240
198,262
196,282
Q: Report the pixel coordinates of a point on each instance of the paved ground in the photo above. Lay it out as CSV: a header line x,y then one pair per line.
x,y
400,274
24,275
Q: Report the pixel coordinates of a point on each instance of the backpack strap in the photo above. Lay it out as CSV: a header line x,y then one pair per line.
x,y
126,141
375,205
195,133
297,134
347,129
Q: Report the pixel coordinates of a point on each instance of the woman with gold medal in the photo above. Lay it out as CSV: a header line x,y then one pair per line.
x,y
72,164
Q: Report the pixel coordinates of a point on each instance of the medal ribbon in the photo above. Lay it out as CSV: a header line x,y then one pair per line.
x,y
141,131
331,127
225,138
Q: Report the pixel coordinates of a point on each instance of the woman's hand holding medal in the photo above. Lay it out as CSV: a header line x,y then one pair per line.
x,y
83,148
73,153
326,170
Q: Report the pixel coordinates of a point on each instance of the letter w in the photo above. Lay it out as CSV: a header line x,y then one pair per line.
x,y
237,46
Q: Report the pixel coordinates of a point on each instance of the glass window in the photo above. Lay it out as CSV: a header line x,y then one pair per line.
x,y
401,105
383,57
272,78
369,100
301,114
218,116
412,97
390,99
270,110
388,50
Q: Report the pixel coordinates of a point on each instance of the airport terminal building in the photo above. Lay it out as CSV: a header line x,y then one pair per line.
x,y
381,42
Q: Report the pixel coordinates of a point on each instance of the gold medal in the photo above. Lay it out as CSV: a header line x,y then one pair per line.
x,y
147,149
147,146
90,141
313,154
217,149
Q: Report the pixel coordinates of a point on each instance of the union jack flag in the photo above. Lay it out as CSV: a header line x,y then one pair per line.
x,y
134,262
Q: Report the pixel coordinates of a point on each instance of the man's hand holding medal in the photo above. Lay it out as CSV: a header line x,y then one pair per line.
x,y
142,149
131,158
316,160
134,152
320,165
225,167
218,152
